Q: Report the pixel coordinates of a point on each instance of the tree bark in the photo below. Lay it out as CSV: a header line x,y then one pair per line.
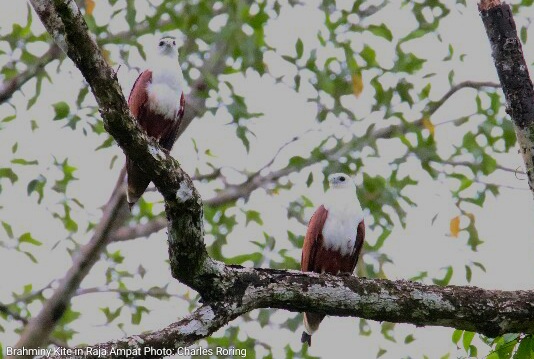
x,y
487,312
513,74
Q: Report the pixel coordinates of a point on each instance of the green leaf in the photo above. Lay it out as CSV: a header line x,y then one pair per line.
x,y
525,349
467,339
136,317
81,95
381,30
425,91
27,238
446,279
263,317
130,13
387,331
30,256
37,185
523,34
68,176
8,173
61,109
8,229
369,55
309,181
23,162
468,273
297,161
480,265
409,338
69,316
141,271
116,256
241,132
299,48
489,164
107,143
289,59
380,241
408,63
472,352
69,224
253,216
456,336
9,118
111,316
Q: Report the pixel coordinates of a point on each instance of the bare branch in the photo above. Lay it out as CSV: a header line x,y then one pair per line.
x,y
142,230
157,292
471,164
158,344
5,309
40,326
8,88
433,106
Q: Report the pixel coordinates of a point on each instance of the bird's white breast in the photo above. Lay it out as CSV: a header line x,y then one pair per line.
x,y
341,225
166,88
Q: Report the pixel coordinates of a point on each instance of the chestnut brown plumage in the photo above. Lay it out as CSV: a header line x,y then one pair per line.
x,y
333,240
157,103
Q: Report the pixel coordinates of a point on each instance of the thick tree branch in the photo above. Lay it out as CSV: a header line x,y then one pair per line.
x,y
513,74
490,312
158,344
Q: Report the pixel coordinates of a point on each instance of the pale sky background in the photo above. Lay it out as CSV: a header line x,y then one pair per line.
x,y
505,223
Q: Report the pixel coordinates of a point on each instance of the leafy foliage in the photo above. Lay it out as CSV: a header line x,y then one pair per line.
x,y
371,88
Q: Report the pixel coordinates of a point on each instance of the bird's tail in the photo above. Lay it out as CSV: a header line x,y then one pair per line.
x,y
306,338
138,181
311,324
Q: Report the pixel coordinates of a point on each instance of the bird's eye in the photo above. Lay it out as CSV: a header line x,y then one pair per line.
x,y
342,179
161,43
174,42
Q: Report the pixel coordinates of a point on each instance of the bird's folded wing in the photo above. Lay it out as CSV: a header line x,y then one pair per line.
x,y
313,238
139,96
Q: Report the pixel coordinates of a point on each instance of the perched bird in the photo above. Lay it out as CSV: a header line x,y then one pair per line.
x,y
334,238
157,102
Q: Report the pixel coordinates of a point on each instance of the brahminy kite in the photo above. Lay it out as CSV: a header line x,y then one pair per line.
x,y
157,102
334,238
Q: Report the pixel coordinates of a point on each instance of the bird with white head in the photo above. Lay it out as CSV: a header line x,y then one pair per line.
x,y
334,238
157,102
